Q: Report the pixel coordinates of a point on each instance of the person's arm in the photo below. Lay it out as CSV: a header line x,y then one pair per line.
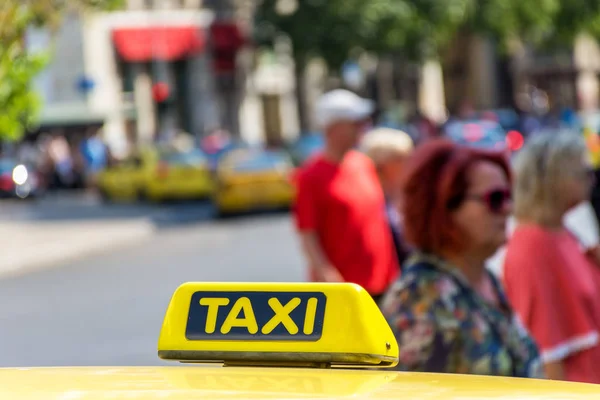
x,y
581,221
306,213
594,255
555,371
321,266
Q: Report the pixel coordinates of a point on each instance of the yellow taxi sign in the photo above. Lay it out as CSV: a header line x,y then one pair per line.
x,y
276,323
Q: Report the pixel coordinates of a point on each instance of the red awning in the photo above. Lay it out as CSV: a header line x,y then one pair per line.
x,y
163,43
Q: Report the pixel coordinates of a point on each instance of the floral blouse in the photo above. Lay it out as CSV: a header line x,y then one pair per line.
x,y
443,325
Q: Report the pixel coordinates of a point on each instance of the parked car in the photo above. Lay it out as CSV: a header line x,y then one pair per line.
x,y
18,180
508,118
158,174
251,179
485,134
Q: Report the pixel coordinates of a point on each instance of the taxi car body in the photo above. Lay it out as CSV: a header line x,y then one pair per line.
x,y
253,179
275,341
244,383
158,174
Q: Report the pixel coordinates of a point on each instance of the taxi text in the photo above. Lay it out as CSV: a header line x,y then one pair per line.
x,y
256,316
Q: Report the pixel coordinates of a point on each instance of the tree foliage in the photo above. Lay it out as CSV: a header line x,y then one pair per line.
x,y
20,105
423,28
574,17
317,28
419,29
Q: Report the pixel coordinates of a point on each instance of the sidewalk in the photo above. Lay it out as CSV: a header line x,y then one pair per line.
x,y
25,246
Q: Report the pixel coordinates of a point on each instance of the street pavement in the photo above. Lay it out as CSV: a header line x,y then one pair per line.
x,y
107,309
87,207
65,226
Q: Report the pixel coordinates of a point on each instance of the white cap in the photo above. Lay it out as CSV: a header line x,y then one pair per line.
x,y
341,105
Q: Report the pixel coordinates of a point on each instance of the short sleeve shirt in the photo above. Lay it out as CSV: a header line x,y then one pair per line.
x,y
554,289
344,204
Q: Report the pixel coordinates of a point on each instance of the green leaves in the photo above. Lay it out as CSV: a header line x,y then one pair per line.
x,y
335,29
329,29
573,17
20,105
420,29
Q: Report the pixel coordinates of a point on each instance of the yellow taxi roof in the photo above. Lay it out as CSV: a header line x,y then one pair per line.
x,y
199,382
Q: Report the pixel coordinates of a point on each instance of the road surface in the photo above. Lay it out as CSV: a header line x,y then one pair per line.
x,y
107,310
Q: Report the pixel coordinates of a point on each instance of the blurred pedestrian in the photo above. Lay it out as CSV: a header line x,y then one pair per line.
x,y
215,144
182,142
426,128
389,150
27,153
339,209
465,112
94,153
550,282
60,155
448,313
216,140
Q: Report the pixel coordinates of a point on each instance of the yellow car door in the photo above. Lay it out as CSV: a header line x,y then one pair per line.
x,y
123,181
179,175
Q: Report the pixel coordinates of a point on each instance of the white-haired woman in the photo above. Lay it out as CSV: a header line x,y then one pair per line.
x,y
389,149
550,282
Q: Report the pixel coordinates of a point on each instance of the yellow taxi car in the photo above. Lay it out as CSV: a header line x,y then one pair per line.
x,y
251,179
275,341
158,174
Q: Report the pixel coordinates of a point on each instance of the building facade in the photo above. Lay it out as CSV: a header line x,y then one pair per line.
x,y
144,73
570,76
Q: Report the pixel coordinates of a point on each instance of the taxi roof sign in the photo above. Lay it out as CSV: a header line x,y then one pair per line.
x,y
276,324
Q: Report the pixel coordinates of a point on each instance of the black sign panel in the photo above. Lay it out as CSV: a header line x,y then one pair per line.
x,y
256,316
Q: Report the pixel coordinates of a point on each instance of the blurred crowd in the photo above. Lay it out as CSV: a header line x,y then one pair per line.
x,y
61,162
73,161
533,113
418,219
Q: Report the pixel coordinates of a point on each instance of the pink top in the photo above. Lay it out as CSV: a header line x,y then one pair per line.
x,y
554,289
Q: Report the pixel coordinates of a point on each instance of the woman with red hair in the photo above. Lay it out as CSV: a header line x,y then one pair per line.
x,y
448,313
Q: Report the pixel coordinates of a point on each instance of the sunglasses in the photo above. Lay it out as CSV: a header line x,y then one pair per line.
x,y
495,200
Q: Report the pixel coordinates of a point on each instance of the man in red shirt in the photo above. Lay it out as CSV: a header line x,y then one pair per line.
x,y
340,206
